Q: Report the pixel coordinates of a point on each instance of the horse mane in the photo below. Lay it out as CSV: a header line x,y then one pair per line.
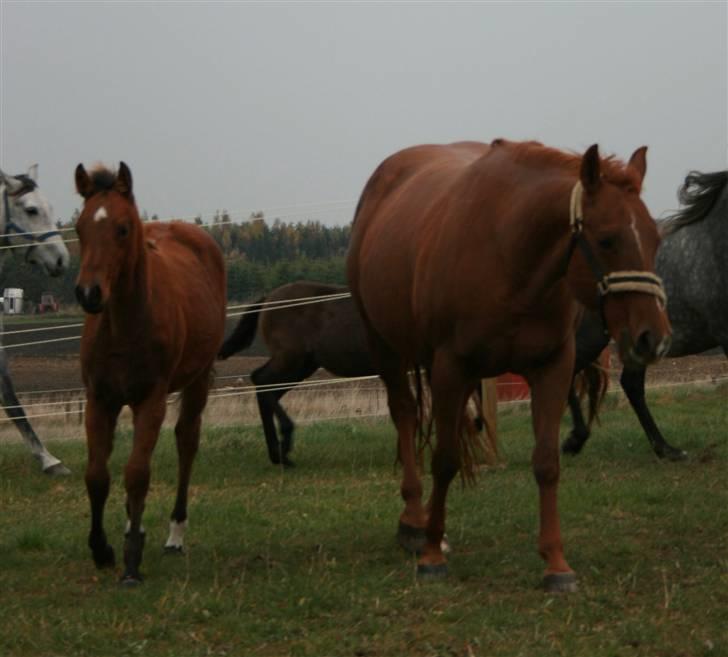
x,y
613,169
102,179
28,184
699,194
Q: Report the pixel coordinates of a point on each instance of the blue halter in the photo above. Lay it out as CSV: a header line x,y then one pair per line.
x,y
11,228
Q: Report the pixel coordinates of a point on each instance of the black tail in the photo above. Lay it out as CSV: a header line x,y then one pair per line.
x,y
244,334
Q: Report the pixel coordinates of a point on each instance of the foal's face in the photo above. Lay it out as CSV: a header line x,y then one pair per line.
x,y
624,238
108,231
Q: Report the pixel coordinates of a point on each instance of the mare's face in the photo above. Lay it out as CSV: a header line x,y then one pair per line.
x,y
104,230
624,238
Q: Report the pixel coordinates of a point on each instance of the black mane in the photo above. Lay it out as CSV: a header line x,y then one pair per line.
x,y
699,194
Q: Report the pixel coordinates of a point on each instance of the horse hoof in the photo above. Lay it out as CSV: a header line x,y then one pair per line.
x,y
571,446
672,454
105,558
560,583
57,470
431,571
130,581
174,549
411,539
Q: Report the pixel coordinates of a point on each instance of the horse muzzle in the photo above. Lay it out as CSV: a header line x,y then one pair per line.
x,y
648,348
89,298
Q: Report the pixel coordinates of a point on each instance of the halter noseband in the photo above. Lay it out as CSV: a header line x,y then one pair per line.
x,y
615,282
11,227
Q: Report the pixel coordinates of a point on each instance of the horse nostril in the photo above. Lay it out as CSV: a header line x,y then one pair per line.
x,y
89,297
94,296
646,343
59,262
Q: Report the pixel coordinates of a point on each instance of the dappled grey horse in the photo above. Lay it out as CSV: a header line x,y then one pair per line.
x,y
26,225
693,263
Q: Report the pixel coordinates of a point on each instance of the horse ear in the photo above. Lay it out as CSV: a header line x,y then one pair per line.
x,y
13,184
33,172
123,181
590,169
638,161
83,182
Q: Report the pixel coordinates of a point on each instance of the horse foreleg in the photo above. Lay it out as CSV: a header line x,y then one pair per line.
x,y
100,423
187,434
580,432
148,418
549,389
633,384
49,463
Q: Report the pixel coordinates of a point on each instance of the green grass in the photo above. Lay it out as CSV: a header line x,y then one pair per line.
x,y
304,562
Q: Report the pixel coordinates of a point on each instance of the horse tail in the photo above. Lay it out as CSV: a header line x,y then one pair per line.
x,y
244,334
470,446
424,415
592,381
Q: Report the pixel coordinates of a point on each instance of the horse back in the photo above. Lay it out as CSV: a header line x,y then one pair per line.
x,y
328,333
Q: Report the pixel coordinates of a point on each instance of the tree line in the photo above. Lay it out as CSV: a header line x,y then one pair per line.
x,y
259,257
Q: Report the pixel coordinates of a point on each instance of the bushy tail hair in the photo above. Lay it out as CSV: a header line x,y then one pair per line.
x,y
470,441
244,334
593,382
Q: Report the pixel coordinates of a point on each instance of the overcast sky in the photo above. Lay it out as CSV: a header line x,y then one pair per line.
x,y
245,106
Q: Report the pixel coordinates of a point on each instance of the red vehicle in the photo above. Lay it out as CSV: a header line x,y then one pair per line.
x,y
48,303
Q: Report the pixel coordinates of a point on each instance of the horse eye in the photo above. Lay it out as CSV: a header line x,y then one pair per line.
x,y
122,231
31,212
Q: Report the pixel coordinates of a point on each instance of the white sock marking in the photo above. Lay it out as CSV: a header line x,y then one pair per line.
x,y
176,534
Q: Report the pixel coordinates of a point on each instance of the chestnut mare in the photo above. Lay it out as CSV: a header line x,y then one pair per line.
x,y
155,298
471,260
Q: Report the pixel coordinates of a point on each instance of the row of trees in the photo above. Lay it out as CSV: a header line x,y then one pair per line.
x,y
259,258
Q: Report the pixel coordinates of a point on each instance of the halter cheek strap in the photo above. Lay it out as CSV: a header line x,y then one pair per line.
x,y
616,282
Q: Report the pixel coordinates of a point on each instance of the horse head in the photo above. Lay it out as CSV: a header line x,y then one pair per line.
x,y
616,241
110,234
27,222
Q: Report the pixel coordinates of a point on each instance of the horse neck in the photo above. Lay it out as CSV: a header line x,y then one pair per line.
x,y
543,241
129,305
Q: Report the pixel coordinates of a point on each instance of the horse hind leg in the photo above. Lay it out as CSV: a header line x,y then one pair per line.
x,y
403,411
187,435
286,426
278,372
50,464
450,394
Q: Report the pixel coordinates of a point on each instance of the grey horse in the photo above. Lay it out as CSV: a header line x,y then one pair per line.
x,y
26,225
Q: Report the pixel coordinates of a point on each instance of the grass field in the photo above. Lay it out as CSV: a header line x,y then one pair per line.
x,y
304,562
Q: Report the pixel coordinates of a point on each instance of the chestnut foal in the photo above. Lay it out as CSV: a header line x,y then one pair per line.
x,y
154,295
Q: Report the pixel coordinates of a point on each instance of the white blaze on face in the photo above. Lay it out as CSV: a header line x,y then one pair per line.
x,y
176,535
100,214
633,225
